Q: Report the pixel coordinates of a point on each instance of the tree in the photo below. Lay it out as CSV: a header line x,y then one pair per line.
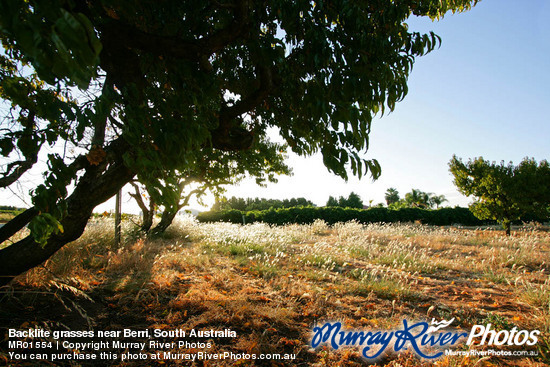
x,y
175,189
417,199
391,196
332,201
148,210
436,200
259,204
354,201
342,202
504,192
138,88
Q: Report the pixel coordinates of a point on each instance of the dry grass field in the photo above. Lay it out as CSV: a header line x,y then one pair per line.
x,y
272,284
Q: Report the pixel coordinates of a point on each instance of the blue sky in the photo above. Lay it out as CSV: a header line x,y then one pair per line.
x,y
485,92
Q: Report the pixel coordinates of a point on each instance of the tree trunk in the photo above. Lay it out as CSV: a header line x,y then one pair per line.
x,y
148,213
118,217
169,213
165,221
507,227
94,187
148,216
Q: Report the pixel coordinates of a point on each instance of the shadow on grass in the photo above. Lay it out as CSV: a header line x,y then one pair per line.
x,y
93,285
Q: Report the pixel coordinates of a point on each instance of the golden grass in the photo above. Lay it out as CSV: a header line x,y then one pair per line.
x,y
271,284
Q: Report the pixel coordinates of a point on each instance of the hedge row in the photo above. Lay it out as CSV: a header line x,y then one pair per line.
x,y
331,215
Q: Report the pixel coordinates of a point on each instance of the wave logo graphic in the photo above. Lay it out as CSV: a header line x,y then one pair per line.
x,y
436,325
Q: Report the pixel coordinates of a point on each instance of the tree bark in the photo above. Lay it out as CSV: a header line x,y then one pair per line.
x,y
16,224
166,219
148,216
507,227
169,213
148,213
94,187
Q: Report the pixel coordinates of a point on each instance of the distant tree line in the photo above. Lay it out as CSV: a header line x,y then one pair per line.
x,y
414,199
503,193
9,208
249,204
352,201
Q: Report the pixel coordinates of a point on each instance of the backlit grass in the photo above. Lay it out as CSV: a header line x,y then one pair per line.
x,y
271,284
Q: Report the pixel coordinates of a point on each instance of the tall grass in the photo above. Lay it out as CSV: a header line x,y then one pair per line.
x,y
258,277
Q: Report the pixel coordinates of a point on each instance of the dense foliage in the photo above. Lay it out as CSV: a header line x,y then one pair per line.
x,y
391,196
155,89
504,192
352,201
414,199
331,215
249,204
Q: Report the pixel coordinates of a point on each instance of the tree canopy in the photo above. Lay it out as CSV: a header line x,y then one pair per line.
x,y
414,199
250,204
391,196
352,201
418,199
332,201
504,192
146,87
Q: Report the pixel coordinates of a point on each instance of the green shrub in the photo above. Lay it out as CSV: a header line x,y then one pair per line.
x,y
331,215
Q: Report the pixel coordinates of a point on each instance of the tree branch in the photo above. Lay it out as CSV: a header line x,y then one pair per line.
x,y
22,167
137,197
230,136
125,35
17,223
188,196
93,188
245,104
101,121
